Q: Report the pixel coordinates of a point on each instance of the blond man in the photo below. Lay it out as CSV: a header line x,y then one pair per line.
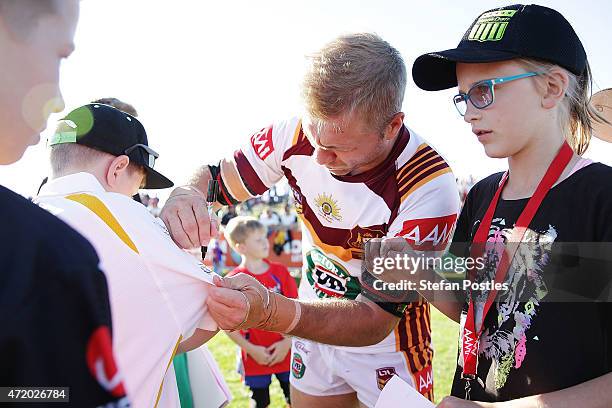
x,y
356,173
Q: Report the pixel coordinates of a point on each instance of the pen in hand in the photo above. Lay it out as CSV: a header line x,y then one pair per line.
x,y
211,197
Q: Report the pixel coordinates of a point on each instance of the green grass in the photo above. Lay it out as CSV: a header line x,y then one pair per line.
x,y
444,333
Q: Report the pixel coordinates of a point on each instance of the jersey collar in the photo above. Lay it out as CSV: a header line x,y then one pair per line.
x,y
72,183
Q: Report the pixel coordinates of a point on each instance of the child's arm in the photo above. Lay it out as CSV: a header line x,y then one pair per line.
x,y
198,338
259,353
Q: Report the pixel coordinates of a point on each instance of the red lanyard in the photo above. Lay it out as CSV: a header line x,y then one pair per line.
x,y
471,337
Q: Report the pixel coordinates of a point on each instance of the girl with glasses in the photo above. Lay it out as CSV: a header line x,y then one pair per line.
x,y
544,337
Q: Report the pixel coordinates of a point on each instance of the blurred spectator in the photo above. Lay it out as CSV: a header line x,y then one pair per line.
x,y
269,219
116,103
231,213
154,206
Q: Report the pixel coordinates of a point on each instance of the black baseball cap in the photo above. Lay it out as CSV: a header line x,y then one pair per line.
x,y
105,128
517,31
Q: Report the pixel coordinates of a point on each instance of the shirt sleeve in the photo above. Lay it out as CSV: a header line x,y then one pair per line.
x,y
254,168
182,278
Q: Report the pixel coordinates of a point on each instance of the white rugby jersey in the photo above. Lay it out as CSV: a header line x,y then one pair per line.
x,y
412,194
157,291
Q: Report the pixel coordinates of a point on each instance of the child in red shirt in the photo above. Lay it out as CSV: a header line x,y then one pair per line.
x,y
263,353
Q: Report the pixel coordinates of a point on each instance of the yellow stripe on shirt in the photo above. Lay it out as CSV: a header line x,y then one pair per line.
x,y
161,386
101,210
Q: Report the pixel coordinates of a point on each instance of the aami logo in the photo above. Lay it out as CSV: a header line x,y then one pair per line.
x,y
262,143
424,380
383,375
101,362
429,234
469,343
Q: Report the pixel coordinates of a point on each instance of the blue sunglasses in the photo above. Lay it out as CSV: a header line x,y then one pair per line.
x,y
482,94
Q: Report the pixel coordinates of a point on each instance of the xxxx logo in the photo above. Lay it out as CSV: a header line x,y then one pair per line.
x,y
297,366
329,278
491,26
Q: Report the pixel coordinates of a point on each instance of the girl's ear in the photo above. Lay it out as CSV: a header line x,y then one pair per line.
x,y
557,82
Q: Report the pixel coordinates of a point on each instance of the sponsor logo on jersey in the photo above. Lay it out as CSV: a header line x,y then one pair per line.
x,y
262,143
328,208
299,346
383,375
328,278
424,380
298,368
101,362
429,234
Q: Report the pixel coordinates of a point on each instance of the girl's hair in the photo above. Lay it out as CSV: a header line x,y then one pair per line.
x,y
577,113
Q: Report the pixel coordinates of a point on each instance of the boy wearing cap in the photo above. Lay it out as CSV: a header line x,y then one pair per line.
x,y
100,158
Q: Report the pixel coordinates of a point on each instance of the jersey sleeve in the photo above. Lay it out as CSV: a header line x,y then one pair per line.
x,y
254,168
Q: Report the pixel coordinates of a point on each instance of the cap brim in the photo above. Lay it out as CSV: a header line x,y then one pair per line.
x,y
156,180
436,70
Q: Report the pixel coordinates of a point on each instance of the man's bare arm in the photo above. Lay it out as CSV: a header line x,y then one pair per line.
x,y
344,322
242,302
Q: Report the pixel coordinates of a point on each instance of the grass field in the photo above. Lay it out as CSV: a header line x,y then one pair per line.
x,y
444,333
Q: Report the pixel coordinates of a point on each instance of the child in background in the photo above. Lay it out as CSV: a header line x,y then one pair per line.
x,y
263,353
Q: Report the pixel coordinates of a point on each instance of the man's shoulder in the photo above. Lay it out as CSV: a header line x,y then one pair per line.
x,y
28,227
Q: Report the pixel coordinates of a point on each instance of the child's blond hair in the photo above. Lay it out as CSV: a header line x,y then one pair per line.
x,y
238,229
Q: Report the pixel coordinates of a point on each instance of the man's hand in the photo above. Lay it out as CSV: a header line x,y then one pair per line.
x,y
380,260
260,354
186,217
278,351
238,302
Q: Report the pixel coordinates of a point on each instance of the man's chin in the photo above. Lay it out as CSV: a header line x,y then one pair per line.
x,y
339,172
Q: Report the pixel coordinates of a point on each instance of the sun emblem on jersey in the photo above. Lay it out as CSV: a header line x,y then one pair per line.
x,y
328,208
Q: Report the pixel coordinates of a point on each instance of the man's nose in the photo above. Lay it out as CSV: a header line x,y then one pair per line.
x,y
324,157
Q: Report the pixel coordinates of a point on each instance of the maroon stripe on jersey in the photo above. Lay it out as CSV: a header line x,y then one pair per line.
x,y
387,189
384,184
250,178
301,148
345,238
405,188
410,175
415,160
406,169
416,334
402,328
